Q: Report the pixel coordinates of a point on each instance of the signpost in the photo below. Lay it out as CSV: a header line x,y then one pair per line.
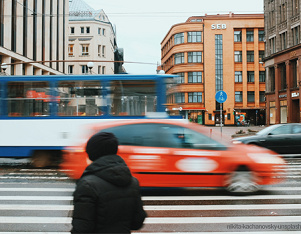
x,y
221,97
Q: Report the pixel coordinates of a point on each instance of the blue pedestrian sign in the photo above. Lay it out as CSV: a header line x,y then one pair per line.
x,y
221,96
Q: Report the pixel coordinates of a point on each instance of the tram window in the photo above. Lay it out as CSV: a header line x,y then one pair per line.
x,y
28,99
132,97
80,98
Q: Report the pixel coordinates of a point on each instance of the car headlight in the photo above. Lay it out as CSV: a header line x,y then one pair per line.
x,y
265,158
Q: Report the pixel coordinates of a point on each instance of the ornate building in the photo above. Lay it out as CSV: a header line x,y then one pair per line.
x,y
92,38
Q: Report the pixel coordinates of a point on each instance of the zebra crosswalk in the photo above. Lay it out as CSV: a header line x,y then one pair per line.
x,y
42,208
43,204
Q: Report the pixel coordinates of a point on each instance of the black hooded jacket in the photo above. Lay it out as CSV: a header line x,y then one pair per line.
x,y
107,199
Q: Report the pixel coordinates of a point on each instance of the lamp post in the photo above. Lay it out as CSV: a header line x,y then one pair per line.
x,y
90,65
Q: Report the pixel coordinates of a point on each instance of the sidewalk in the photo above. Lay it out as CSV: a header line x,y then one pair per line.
x,y
232,130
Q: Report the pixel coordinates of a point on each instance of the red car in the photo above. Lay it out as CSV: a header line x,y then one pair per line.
x,y
176,153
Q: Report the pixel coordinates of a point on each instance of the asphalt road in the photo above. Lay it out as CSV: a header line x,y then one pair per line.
x,y
40,201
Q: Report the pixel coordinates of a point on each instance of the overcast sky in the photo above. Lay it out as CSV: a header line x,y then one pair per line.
x,y
141,25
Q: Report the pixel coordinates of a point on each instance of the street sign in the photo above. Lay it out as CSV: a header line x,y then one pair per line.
x,y
221,96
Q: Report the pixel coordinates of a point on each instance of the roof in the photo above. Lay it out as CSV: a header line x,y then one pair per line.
x,y
79,10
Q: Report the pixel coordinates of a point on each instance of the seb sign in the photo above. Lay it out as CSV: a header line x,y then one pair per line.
x,y
218,26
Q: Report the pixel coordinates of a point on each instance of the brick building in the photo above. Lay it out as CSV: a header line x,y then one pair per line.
x,y
282,61
212,53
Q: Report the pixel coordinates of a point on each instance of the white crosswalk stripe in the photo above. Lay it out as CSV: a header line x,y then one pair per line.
x,y
27,206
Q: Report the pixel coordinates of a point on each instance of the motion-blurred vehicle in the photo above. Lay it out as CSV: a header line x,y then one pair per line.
x,y
176,153
284,139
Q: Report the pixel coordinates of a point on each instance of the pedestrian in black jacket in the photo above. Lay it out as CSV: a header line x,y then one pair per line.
x,y
107,197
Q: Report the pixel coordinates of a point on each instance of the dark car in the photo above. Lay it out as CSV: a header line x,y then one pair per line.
x,y
282,138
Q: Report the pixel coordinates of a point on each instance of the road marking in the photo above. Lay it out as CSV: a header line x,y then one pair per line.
x,y
37,189
24,219
36,207
163,220
35,177
164,208
37,198
208,198
224,207
72,189
233,220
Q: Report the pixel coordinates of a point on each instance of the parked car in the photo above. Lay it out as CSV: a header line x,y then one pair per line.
x,y
165,153
282,138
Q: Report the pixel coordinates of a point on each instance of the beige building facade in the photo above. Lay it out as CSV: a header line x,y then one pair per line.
x,y
33,36
91,39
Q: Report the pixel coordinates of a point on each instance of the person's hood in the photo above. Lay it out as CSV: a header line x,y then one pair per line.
x,y
110,168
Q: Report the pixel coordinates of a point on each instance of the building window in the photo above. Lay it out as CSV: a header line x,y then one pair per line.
x,y
180,97
262,76
250,56
272,18
238,96
219,72
238,76
99,50
261,56
294,73
194,36
70,50
250,96
85,50
238,56
72,31
194,77
283,12
103,31
283,40
103,51
272,45
85,69
179,38
295,7
261,96
260,35
99,70
180,79
250,76
70,69
87,30
195,97
237,36
295,33
194,57
282,68
103,70
250,36
271,79
82,30
179,58
99,31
